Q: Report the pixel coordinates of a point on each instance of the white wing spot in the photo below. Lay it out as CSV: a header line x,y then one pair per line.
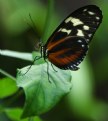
x,y
83,45
74,65
79,41
80,33
97,18
60,29
68,19
91,13
71,66
87,40
89,35
75,21
85,27
97,23
85,10
64,30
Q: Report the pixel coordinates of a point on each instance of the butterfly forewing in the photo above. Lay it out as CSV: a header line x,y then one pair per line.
x,y
68,44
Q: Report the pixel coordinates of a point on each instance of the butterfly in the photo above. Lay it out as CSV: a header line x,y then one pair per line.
x,y
69,43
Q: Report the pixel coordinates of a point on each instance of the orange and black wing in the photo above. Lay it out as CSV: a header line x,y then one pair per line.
x,y
68,53
68,44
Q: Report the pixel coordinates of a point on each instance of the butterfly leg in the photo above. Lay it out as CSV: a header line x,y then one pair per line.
x,y
36,58
53,67
47,70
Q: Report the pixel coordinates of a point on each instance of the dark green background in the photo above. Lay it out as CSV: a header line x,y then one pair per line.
x,y
88,99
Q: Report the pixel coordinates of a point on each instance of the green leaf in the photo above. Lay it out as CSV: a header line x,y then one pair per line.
x,y
7,87
43,94
15,114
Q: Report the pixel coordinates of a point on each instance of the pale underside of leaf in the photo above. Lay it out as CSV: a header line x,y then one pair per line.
x,y
42,94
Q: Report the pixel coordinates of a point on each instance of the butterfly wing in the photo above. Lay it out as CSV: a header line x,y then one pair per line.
x,y
81,24
69,53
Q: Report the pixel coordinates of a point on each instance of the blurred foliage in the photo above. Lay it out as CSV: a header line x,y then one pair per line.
x,y
12,88
14,115
88,98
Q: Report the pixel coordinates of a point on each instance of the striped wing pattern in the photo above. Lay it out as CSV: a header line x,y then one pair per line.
x,y
68,45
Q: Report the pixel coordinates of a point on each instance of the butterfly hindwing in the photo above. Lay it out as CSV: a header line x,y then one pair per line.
x,y
69,53
68,44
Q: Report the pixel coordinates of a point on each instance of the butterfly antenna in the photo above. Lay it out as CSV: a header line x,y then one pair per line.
x,y
35,29
33,25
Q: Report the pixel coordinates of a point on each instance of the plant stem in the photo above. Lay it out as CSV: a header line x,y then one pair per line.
x,y
48,19
7,74
20,55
